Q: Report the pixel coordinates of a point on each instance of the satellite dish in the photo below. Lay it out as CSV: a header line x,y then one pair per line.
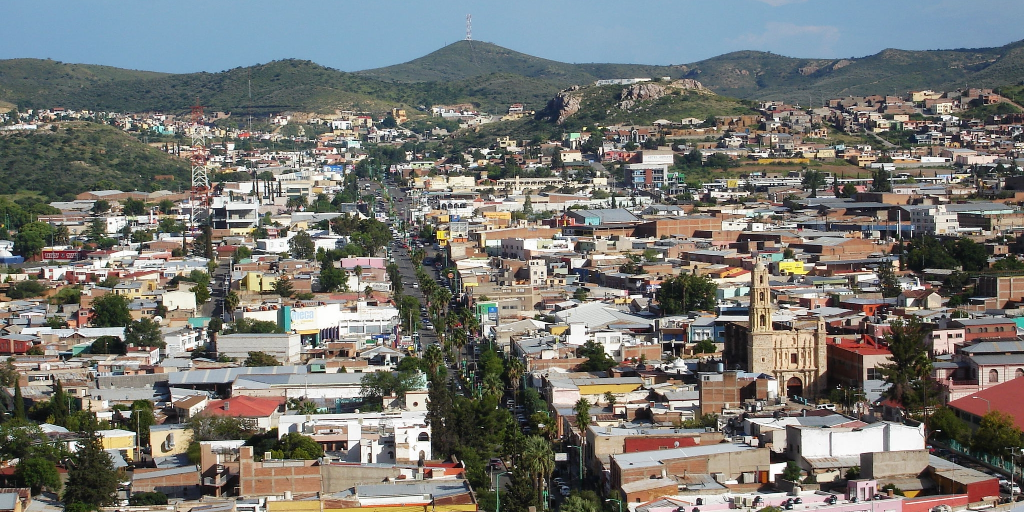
x,y
158,319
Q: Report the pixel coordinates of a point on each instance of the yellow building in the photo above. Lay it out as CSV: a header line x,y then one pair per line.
x,y
117,439
792,267
167,440
258,282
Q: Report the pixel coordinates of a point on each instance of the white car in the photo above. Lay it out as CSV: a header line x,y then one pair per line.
x,y
564,490
1009,487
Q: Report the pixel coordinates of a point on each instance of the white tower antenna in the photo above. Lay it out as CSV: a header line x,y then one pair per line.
x,y
469,27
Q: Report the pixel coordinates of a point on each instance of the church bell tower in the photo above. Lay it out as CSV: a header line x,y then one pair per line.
x,y
760,300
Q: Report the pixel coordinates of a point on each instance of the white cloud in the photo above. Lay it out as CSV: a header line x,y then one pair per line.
x,y
780,36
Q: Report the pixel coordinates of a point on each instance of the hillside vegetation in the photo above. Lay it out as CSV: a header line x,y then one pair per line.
x,y
492,77
81,156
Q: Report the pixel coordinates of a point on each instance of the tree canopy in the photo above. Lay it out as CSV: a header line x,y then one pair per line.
x,y
687,292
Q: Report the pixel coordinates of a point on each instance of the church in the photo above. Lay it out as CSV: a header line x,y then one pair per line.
x,y
793,351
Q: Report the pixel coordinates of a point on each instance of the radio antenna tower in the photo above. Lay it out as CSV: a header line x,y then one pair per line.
x,y
200,156
469,27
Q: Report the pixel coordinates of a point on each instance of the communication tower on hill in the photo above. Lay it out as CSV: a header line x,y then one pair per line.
x,y
469,27
199,199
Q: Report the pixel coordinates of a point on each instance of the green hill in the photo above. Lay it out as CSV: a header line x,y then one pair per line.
x,y
80,156
28,78
491,77
469,59
613,104
744,74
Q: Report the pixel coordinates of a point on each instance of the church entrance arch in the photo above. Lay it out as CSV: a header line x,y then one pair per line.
x,y
794,387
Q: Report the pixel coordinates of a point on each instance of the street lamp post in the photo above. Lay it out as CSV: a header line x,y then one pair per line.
x,y
616,501
497,491
581,463
1013,470
986,401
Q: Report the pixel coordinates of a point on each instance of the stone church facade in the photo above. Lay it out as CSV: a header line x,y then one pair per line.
x,y
794,354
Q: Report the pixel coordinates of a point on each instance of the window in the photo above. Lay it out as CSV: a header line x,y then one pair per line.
x,y
793,358
993,376
874,374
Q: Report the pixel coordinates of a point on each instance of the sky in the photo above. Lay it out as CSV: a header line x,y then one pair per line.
x,y
213,35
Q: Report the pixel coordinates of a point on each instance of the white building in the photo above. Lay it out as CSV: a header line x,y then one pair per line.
x,y
182,341
284,347
371,438
933,220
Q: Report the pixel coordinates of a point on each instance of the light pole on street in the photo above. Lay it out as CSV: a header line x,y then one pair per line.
x,y
497,491
616,501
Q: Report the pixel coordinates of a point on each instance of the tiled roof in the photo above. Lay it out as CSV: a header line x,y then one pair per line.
x,y
243,407
1003,397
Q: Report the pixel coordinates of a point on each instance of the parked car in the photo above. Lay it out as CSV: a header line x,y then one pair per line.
x,y
564,490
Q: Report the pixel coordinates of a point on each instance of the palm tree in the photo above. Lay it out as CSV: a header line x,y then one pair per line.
x,y
539,461
434,359
493,384
515,370
232,301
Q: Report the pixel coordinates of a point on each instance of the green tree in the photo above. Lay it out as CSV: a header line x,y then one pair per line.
x,y
539,461
111,310
332,278
881,181
301,246
248,325
576,503
26,289
812,181
257,358
582,410
101,206
144,499
597,359
705,347
996,433
294,445
944,424
133,207
792,472
241,253
687,292
144,333
92,480
19,402
1009,262
520,494
108,345
888,281
283,287
142,418
31,239
232,301
909,363
8,373
581,293
165,206
38,473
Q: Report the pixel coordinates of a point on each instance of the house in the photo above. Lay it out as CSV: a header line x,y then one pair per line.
x,y
258,413
188,407
919,299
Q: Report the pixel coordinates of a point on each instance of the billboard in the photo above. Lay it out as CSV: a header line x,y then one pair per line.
x,y
61,255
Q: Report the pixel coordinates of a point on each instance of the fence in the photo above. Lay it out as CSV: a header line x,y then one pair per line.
x,y
995,461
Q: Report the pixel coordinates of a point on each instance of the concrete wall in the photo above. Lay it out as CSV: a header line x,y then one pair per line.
x,y
339,478
879,465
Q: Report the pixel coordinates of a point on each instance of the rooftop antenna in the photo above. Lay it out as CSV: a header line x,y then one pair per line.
x,y
469,27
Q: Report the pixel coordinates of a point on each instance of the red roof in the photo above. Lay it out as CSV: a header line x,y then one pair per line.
x,y
243,407
1003,397
866,347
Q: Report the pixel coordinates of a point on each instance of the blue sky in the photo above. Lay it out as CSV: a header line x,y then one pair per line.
x,y
213,35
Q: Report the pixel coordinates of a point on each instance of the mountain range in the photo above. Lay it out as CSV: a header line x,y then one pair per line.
x,y
492,77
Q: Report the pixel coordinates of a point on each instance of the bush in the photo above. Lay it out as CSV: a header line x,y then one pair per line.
x,y
141,499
